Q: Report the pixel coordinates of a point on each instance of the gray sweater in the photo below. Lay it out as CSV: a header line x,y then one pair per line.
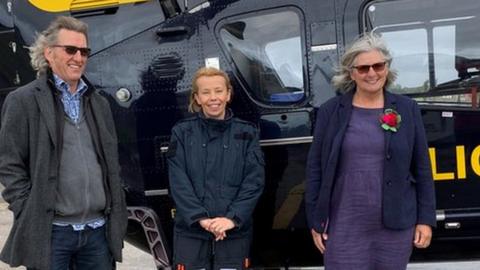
x,y
80,195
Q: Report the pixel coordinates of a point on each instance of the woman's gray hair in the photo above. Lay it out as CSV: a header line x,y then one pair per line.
x,y
365,43
49,37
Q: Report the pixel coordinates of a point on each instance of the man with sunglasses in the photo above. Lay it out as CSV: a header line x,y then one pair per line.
x,y
59,161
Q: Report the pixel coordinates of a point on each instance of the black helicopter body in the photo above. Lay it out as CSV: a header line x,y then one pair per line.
x,y
281,56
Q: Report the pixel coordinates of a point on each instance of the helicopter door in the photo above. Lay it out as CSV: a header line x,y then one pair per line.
x,y
267,51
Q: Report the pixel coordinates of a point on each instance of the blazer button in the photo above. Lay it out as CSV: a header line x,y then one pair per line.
x,y
389,183
389,156
204,145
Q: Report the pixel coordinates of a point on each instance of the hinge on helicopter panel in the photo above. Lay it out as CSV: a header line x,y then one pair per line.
x,y
17,80
199,7
171,8
13,45
9,6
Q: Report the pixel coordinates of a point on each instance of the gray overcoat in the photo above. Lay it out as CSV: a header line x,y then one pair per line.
x,y
29,170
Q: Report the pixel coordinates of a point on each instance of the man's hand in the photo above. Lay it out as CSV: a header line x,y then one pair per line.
x,y
318,239
423,236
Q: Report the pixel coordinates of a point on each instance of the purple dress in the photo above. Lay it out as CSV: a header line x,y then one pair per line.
x,y
357,238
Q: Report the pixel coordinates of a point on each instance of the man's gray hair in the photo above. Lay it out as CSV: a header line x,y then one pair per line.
x,y
49,37
365,43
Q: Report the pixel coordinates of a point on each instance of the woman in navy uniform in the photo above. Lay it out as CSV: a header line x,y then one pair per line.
x,y
216,177
369,190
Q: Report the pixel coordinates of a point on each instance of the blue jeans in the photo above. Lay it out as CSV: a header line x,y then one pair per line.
x,y
80,250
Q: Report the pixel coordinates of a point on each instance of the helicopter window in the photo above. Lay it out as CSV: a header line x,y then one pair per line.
x,y
267,51
435,48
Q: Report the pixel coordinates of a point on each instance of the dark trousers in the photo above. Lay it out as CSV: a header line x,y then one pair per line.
x,y
80,250
194,253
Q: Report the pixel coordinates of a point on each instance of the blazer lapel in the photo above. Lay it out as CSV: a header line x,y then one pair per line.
x,y
344,113
389,103
46,105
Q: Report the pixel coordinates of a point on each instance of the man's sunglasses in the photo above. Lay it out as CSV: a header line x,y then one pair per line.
x,y
72,50
377,67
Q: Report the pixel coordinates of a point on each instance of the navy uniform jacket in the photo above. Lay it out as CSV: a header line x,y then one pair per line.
x,y
215,170
408,189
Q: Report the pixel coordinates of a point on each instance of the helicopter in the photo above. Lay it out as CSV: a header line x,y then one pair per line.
x,y
280,56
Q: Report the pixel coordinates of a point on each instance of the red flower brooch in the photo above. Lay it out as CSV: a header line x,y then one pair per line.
x,y
390,120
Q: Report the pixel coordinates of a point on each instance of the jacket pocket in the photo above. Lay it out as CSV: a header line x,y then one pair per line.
x,y
411,179
259,157
234,166
17,207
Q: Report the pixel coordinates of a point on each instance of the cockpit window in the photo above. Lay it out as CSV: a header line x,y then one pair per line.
x,y
267,51
435,48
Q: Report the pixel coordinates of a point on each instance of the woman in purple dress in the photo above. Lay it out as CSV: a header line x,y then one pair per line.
x,y
369,191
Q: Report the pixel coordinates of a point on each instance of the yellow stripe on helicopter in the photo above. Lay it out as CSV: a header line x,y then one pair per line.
x,y
75,5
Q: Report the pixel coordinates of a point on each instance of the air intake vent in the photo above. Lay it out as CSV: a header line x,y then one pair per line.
x,y
167,67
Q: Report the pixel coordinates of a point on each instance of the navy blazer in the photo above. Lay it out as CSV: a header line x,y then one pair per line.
x,y
408,189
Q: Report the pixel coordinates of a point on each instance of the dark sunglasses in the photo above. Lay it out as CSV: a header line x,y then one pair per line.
x,y
72,50
377,67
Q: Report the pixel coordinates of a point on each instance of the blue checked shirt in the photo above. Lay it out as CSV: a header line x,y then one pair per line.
x,y
71,105
71,102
